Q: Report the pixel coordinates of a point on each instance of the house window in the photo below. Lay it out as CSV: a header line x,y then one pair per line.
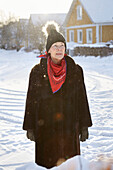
x,y
79,12
71,35
89,35
79,36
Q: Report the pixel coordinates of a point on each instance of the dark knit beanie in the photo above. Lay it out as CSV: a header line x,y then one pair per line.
x,y
53,36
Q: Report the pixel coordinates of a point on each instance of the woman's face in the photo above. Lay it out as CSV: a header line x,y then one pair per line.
x,y
57,52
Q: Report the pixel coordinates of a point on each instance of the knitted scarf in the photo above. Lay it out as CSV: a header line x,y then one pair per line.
x,y
56,74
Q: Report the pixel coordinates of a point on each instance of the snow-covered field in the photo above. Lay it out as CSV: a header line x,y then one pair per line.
x,y
16,151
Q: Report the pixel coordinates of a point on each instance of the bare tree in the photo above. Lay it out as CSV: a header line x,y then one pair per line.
x,y
8,31
21,33
36,37
3,18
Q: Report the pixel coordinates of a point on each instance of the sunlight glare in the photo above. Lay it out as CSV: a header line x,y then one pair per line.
x,y
25,8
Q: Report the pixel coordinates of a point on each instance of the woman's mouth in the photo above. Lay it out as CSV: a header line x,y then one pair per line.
x,y
58,53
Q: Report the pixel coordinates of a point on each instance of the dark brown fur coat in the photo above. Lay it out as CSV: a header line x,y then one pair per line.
x,y
56,118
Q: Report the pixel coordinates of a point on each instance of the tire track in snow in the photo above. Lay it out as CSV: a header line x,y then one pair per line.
x,y
11,107
14,72
100,90
11,92
11,114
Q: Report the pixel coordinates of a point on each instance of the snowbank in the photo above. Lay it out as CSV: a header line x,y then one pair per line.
x,y
76,163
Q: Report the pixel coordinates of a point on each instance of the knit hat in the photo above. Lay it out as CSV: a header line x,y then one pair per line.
x,y
53,35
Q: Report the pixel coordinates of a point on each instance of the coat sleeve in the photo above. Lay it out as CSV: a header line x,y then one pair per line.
x,y
83,106
31,102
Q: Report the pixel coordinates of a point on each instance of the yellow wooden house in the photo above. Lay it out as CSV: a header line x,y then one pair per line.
x,y
89,21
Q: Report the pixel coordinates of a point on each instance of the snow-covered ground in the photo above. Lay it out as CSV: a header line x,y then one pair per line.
x,y
16,151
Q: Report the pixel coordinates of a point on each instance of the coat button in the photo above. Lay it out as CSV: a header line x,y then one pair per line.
x,y
44,75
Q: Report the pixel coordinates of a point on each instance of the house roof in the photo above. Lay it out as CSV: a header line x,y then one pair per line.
x,y
99,11
43,18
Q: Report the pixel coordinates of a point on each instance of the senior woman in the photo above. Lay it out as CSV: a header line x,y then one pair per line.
x,y
57,113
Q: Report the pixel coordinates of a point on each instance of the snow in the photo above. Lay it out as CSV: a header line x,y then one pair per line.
x,y
16,151
100,11
72,45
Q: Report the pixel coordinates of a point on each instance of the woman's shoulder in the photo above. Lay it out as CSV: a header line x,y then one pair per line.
x,y
35,70
69,59
38,67
72,62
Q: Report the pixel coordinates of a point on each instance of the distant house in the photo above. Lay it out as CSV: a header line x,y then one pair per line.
x,y
89,21
40,19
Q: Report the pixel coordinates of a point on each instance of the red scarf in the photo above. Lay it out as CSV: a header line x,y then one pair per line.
x,y
56,74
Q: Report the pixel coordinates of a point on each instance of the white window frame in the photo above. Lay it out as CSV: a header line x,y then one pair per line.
x,y
71,35
87,35
79,12
78,36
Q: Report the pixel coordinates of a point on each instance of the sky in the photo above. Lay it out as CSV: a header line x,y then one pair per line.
x,y
23,8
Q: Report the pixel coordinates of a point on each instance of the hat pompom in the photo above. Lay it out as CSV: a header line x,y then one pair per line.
x,y
50,27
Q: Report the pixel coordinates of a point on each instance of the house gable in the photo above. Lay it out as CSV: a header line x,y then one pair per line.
x,y
72,18
90,21
94,11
